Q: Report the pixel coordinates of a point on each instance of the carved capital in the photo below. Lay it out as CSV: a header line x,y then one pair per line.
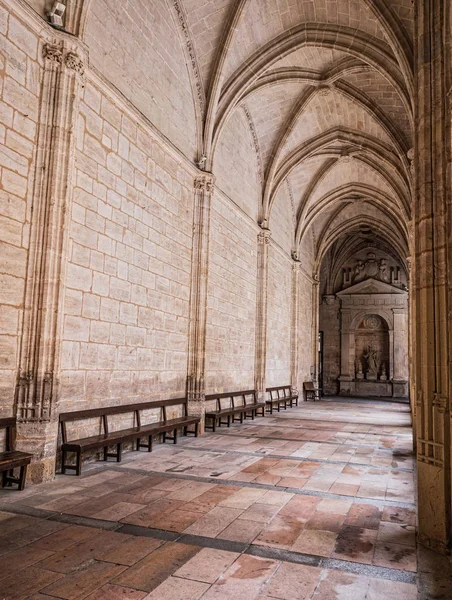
x,y
296,255
264,236
440,403
53,53
204,183
74,62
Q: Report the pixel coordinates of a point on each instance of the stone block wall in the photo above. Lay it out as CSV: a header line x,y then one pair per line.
x,y
126,309
120,266
279,318
231,303
20,76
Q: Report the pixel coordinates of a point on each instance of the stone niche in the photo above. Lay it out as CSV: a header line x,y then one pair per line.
x,y
373,339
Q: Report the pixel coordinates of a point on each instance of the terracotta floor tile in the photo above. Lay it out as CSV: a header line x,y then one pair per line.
x,y
293,581
393,533
355,544
366,516
118,511
84,581
212,523
178,589
152,570
21,558
207,565
391,590
130,551
282,532
395,556
31,580
314,541
244,580
335,585
241,531
65,538
79,554
115,592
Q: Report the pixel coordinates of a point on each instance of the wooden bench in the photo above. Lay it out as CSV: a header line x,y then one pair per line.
x,y
232,406
12,459
310,391
166,427
280,396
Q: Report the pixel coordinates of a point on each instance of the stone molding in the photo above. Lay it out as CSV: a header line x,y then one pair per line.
x,y
36,388
294,326
260,364
203,191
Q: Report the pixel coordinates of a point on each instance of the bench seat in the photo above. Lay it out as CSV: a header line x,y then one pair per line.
x,y
280,396
13,459
116,438
227,409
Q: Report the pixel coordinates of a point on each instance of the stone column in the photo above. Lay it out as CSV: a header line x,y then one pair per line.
x,y
294,334
315,328
260,361
432,247
347,345
37,386
400,339
203,190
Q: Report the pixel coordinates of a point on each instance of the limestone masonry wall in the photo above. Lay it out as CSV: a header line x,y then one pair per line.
x,y
231,314
128,275
20,76
279,318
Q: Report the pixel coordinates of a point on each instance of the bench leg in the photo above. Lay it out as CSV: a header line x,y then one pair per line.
x,y
175,437
214,428
229,420
164,436
105,453
22,477
78,469
118,452
150,444
138,444
63,461
185,431
4,478
197,429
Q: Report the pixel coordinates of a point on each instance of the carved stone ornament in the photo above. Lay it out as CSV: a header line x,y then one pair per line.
x,y
52,52
296,255
204,183
75,63
264,236
440,403
372,322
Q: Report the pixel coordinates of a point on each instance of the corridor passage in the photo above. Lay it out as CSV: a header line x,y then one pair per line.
x,y
316,502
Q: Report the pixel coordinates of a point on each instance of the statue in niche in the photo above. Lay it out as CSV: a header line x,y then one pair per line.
x,y
360,271
383,271
359,369
371,363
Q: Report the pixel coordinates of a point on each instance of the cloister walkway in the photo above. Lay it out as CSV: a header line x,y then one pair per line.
x,y
316,502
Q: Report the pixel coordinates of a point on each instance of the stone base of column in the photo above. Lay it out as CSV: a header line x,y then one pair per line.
x,y
197,408
399,388
40,439
346,385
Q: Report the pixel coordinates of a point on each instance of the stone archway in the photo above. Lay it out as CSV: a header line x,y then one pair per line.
x,y
374,331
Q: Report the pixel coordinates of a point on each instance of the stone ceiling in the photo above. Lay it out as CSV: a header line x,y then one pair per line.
x,y
326,89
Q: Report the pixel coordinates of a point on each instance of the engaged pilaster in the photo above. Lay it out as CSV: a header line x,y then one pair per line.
x,y
263,243
36,389
203,190
294,326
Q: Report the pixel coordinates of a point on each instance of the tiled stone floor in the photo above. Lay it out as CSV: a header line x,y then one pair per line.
x,y
316,502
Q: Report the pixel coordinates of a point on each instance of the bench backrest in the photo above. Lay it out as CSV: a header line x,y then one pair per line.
x,y
233,399
8,423
309,386
280,391
105,412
